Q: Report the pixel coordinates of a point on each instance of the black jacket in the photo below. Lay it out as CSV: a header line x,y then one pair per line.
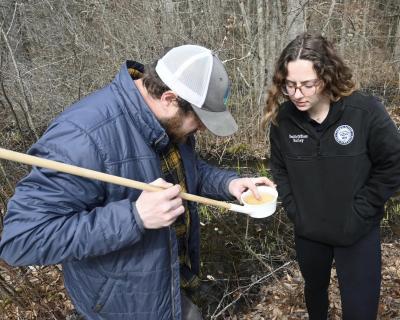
x,y
334,184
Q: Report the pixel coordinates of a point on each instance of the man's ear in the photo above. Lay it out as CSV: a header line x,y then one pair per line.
x,y
167,98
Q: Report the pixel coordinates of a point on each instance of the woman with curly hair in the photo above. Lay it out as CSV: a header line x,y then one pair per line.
x,y
335,156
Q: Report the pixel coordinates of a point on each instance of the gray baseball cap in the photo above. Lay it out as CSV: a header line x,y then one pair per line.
x,y
197,75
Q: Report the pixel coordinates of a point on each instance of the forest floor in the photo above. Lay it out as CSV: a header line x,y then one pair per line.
x,y
265,282
250,264
283,298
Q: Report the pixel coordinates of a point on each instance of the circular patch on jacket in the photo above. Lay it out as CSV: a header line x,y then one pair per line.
x,y
344,134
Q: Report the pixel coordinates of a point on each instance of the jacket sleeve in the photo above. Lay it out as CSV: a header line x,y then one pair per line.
x,y
55,217
280,174
384,153
214,182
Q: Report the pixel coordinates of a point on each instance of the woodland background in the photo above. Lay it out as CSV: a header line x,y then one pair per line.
x,y
54,52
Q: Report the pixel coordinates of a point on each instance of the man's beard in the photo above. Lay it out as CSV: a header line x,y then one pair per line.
x,y
173,127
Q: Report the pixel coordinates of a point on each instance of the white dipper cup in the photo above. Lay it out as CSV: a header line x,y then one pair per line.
x,y
260,208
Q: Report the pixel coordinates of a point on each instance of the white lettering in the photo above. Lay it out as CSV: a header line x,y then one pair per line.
x,y
298,138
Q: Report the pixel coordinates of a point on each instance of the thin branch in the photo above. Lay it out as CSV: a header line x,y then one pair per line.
x,y
329,16
8,290
25,105
215,316
3,199
12,111
242,76
245,19
12,19
3,172
238,59
74,55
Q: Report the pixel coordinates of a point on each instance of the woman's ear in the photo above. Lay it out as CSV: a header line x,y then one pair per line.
x,y
321,86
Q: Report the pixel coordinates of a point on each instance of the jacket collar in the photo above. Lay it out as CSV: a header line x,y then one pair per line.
x,y
137,110
302,119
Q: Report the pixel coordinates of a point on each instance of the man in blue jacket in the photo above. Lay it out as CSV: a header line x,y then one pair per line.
x,y
126,254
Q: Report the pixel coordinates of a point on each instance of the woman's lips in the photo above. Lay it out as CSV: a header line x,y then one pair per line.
x,y
300,104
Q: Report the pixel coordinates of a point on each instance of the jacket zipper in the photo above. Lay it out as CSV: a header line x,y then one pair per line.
x,y
172,273
319,147
317,138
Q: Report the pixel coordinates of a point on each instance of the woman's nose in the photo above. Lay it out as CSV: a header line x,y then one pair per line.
x,y
298,93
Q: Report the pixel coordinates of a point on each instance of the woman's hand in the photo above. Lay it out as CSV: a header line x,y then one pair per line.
x,y
238,186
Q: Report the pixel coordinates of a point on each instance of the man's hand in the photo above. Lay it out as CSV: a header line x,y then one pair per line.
x,y
238,186
160,209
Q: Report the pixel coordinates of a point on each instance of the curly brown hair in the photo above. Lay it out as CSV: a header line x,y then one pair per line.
x,y
330,69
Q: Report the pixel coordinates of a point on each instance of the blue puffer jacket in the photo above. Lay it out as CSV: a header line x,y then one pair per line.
x,y
113,268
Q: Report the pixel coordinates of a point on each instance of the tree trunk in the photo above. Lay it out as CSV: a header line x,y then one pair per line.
x,y
275,43
343,32
295,19
396,49
261,49
254,64
332,7
167,20
363,40
191,17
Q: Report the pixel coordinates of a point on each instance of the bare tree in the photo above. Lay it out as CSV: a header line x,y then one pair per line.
x,y
295,18
396,50
261,17
55,52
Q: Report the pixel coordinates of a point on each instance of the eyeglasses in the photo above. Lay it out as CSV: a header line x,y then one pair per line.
x,y
307,88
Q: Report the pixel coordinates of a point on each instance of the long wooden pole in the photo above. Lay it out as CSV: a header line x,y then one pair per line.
x,y
92,174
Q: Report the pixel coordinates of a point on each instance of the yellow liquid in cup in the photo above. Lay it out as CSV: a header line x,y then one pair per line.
x,y
265,197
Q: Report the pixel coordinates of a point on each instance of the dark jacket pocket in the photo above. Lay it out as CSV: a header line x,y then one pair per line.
x,y
127,294
103,295
356,226
290,209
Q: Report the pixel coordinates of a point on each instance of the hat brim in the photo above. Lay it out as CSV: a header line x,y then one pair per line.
x,y
219,123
